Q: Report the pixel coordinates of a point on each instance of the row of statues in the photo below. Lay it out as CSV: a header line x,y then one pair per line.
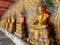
x,y
37,33
14,26
9,24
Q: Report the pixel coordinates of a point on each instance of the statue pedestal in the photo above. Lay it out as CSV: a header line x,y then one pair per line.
x,y
20,32
7,26
12,28
38,35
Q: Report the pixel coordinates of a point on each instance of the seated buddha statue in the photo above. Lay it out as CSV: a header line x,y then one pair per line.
x,y
20,32
38,33
12,27
8,23
2,23
5,21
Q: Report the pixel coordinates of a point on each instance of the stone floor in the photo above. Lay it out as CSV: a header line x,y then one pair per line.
x,y
4,40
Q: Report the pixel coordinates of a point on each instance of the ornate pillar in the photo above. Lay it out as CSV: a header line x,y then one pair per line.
x,y
57,21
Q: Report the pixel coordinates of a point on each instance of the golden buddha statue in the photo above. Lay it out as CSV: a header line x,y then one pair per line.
x,y
12,27
20,26
2,21
8,23
38,34
5,21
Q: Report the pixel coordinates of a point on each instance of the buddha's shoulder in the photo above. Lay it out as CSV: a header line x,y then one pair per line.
x,y
46,14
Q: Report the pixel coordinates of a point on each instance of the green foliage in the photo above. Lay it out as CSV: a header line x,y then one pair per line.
x,y
49,3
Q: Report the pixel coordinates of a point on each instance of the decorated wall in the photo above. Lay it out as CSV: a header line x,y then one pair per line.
x,y
30,10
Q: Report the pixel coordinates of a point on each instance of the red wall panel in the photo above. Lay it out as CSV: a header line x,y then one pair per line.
x,y
4,5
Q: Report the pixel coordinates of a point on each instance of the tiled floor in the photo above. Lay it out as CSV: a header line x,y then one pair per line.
x,y
4,40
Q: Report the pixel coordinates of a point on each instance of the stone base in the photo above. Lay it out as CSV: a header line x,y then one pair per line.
x,y
14,38
33,41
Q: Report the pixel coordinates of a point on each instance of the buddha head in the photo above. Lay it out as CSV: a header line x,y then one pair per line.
x,y
5,19
41,9
9,19
12,17
21,14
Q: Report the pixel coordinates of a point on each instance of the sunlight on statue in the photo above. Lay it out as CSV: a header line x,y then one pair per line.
x,y
38,31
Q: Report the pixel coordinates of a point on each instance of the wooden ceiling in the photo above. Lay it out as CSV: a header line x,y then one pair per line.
x,y
4,5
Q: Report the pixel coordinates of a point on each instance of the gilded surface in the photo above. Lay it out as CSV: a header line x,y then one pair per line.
x,y
8,23
12,25
20,31
39,31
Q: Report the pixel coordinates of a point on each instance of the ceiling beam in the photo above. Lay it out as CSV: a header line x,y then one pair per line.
x,y
3,9
1,15
4,4
6,7
1,12
12,1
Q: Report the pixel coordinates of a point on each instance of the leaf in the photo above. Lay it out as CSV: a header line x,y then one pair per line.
x,y
49,2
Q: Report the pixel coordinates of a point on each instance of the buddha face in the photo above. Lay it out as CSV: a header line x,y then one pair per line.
x,y
21,14
8,20
40,8
12,17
